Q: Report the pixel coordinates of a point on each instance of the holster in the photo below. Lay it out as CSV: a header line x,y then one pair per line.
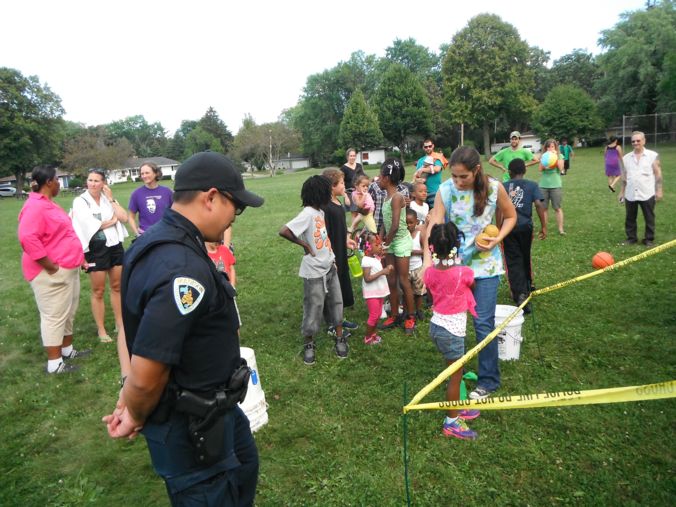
x,y
206,415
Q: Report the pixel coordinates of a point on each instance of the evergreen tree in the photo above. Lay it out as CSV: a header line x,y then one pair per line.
x,y
359,128
212,124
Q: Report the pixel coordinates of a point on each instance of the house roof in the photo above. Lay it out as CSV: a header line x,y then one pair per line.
x,y
293,156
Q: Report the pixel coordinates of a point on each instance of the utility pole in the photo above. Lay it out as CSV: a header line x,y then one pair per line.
x,y
272,169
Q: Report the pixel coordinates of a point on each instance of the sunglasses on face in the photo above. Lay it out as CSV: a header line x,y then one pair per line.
x,y
427,146
239,207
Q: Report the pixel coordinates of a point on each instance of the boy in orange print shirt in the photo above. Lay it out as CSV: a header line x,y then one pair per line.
x,y
321,286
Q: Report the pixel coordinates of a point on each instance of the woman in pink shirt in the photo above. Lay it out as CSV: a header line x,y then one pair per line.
x,y
52,255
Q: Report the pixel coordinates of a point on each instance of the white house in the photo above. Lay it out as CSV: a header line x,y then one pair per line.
x,y
63,177
130,171
374,156
292,162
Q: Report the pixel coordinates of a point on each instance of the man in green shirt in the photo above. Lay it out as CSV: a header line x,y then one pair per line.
x,y
568,154
502,158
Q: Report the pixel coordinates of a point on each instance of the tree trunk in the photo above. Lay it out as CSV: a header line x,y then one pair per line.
x,y
487,139
19,184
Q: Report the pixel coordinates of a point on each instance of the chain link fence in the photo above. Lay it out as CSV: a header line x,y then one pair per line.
x,y
659,128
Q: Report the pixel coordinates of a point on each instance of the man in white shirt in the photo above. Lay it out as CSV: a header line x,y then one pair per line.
x,y
641,186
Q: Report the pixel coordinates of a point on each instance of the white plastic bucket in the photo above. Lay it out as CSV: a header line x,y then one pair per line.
x,y
509,339
254,405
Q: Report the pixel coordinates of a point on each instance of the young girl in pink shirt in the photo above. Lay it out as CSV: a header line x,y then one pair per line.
x,y
451,287
374,284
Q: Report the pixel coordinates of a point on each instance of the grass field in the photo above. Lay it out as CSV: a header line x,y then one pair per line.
x,y
335,430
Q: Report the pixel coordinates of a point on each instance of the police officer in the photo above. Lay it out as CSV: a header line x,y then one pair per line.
x,y
181,325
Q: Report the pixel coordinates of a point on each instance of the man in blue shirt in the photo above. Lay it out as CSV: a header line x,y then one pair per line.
x,y
181,323
429,169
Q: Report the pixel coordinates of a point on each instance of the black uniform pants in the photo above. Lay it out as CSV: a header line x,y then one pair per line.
x,y
516,247
648,209
230,482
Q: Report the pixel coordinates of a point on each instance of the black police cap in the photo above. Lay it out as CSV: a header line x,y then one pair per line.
x,y
209,169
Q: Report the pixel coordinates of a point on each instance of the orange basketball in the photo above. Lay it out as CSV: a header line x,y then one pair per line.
x,y
492,231
602,260
482,238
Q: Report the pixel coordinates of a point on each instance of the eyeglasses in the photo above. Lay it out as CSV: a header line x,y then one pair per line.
x,y
428,146
634,141
239,207
100,172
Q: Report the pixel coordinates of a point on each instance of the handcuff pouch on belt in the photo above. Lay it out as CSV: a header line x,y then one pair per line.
x,y
206,421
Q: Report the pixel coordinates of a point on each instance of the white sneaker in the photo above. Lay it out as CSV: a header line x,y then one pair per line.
x,y
479,394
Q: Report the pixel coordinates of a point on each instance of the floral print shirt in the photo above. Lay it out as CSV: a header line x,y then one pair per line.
x,y
459,206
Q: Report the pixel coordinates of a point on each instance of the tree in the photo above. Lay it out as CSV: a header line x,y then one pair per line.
x,y
578,68
148,139
426,65
416,58
487,75
359,127
249,144
200,140
212,124
176,147
283,139
402,106
263,145
95,147
541,74
30,124
318,114
636,65
567,111
667,86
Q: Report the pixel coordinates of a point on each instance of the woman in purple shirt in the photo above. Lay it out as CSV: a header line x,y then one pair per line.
x,y
52,255
613,158
150,200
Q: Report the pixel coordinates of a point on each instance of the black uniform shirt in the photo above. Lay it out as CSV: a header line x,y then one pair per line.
x,y
177,309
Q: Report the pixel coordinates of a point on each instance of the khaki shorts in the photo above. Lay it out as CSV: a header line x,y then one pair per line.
x,y
57,297
552,194
417,284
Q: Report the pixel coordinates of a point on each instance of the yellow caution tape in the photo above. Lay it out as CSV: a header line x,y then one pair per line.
x,y
559,399
612,267
413,405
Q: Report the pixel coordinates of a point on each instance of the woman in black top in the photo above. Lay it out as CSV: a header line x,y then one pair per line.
x,y
350,169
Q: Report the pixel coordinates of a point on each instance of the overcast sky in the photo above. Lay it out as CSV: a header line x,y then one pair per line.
x,y
170,61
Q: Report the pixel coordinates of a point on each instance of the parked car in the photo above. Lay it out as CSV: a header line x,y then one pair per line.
x,y
6,191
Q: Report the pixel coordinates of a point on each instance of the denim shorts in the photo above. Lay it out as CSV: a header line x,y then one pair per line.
x,y
451,346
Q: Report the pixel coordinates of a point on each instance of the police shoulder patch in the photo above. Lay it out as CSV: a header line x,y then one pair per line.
x,y
188,294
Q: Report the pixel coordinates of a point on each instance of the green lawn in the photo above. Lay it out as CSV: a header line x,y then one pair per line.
x,y
335,430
